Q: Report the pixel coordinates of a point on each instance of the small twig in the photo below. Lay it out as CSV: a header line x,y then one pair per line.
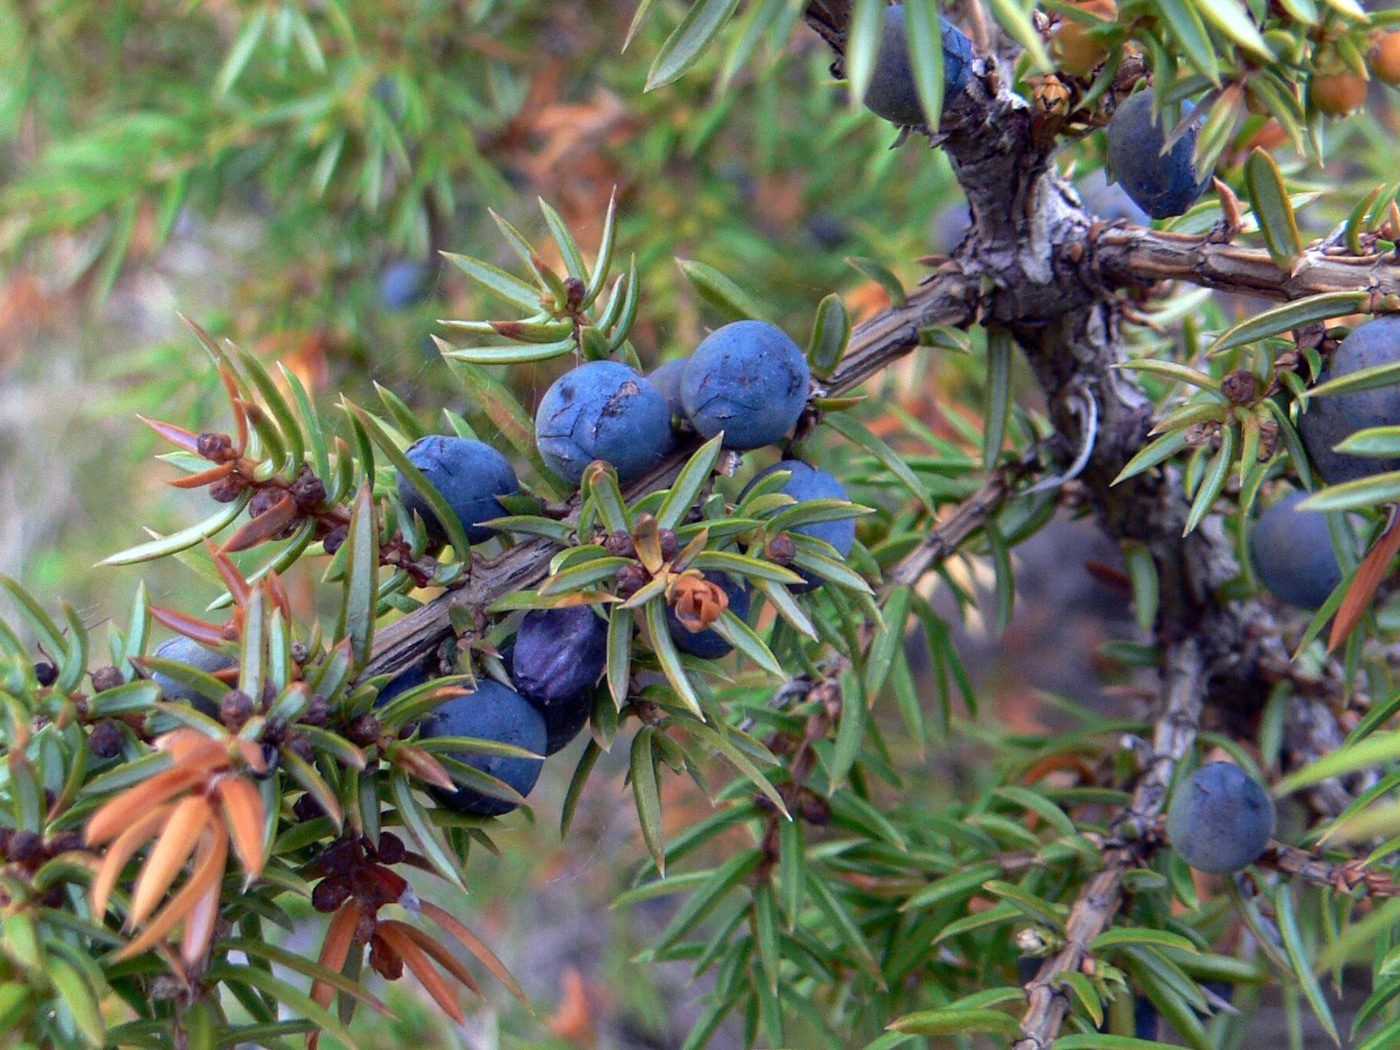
x,y
1098,902
1341,875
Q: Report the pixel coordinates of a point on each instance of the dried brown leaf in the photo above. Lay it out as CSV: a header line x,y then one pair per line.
x,y
445,958
336,948
205,633
174,434
116,816
416,961
189,820
264,527
207,875
247,822
121,851
1368,577
477,947
423,766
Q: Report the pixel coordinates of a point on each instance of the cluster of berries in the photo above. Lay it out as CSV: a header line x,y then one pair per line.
x,y
747,380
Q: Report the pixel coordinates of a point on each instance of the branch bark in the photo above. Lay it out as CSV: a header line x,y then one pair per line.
x,y
1098,902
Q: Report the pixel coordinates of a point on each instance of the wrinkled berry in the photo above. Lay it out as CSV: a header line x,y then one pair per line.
x,y
308,490
748,379
235,708
104,678
559,657
330,894
1292,553
46,673
1162,185
469,475
891,93
492,712
708,644
1220,818
602,410
106,740
391,848
1331,419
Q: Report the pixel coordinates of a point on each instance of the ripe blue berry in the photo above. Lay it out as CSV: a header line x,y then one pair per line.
x,y
410,679
404,283
469,474
496,713
1108,200
187,651
1220,818
1331,419
708,644
1162,185
891,93
667,380
747,379
809,482
1292,553
602,410
559,656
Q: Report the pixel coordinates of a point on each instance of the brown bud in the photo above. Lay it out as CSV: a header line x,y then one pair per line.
x,y
26,848
780,549
384,960
47,673
318,711
334,539
263,501
307,808
227,489
698,602
815,810
308,490
376,885
391,848
105,740
631,578
65,842
670,545
364,731
620,544
301,747
235,708
215,446
1240,386
574,290
341,857
104,678
1268,440
330,894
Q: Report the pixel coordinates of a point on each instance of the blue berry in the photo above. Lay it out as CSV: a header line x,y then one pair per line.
x,y
189,652
404,283
1162,185
492,712
1331,419
667,380
558,658
748,379
1109,201
1292,553
708,644
602,410
891,93
809,482
410,679
1220,818
469,474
